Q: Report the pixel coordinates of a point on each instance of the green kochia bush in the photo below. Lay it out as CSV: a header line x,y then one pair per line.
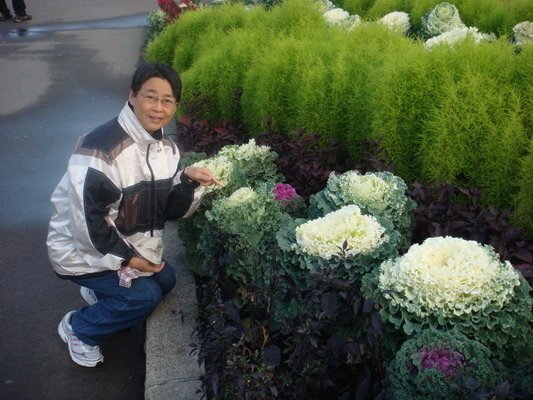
x,y
196,31
458,114
437,365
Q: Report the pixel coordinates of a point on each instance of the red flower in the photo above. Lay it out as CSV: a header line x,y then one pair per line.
x,y
170,8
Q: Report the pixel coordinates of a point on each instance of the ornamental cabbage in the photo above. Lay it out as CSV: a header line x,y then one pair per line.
x,y
240,234
454,283
343,232
345,241
447,276
292,203
221,167
436,364
256,162
239,166
523,32
248,214
456,35
379,194
341,18
396,21
325,5
443,18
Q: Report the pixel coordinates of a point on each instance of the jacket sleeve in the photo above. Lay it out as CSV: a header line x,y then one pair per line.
x,y
91,194
184,199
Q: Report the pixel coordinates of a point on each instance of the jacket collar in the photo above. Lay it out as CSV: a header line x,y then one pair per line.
x,y
134,129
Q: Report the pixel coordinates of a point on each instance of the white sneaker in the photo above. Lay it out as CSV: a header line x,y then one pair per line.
x,y
81,353
88,295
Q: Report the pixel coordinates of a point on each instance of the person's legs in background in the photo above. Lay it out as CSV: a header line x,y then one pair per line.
x,y
5,14
19,7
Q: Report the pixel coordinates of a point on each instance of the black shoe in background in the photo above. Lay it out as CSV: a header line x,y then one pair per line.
x,y
21,18
5,17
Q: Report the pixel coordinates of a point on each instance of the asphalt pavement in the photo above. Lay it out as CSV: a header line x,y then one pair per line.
x,y
61,75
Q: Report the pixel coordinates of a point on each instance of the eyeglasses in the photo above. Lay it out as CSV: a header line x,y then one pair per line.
x,y
154,100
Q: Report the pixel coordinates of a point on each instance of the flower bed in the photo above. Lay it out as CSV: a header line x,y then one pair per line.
x,y
284,315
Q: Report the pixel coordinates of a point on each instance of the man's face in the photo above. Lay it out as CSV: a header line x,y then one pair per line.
x,y
154,104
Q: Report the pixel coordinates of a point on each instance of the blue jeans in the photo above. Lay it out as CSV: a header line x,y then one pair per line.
x,y
119,308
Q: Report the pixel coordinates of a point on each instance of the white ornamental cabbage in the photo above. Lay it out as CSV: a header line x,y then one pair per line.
x,y
325,5
244,152
345,231
335,16
368,189
396,21
457,35
523,32
341,18
443,18
447,277
221,167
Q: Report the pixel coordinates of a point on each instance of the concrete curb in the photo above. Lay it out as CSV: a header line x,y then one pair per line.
x,y
171,372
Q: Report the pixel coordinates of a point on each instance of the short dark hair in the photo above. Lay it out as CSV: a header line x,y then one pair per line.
x,y
150,70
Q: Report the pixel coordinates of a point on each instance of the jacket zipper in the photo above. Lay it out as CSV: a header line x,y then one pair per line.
x,y
151,195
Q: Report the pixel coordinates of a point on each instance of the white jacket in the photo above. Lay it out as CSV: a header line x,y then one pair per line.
x,y
120,187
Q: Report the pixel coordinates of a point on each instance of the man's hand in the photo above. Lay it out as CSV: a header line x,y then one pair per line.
x,y
202,175
144,265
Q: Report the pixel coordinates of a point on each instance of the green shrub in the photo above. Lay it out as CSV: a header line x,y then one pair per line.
x,y
355,72
217,76
404,95
478,123
524,200
270,85
161,49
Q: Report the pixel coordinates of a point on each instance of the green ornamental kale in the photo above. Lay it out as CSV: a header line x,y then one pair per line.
x,y
380,194
157,21
243,227
443,18
438,365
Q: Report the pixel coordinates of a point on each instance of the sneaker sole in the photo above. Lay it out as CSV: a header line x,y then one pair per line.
x,y
88,299
64,337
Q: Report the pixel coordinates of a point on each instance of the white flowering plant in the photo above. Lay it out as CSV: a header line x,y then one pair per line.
x,y
396,21
523,33
341,18
380,194
344,240
442,18
449,282
456,35
325,5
